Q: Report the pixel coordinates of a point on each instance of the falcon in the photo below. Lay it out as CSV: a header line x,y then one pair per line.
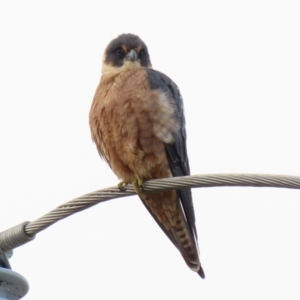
x,y
137,123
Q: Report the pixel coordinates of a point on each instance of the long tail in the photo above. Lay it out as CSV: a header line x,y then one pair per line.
x,y
177,228
187,244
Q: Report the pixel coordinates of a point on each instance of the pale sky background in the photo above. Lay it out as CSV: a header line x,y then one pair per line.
x,y
237,64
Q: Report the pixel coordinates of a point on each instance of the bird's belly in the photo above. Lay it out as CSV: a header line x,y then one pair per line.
x,y
132,147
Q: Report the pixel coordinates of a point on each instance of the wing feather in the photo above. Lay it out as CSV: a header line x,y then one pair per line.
x,y
176,154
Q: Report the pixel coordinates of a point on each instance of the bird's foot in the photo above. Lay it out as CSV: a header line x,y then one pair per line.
x,y
122,184
138,185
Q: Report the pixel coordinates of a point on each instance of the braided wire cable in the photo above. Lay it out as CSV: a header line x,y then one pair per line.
x,y
25,232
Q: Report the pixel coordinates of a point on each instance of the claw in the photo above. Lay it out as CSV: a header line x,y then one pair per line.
x,y
122,185
138,185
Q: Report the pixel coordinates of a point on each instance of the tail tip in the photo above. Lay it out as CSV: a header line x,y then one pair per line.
x,y
201,273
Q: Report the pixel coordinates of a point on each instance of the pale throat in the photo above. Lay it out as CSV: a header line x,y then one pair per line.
x,y
109,69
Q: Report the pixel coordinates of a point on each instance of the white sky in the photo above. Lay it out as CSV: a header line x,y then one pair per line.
x,y
237,64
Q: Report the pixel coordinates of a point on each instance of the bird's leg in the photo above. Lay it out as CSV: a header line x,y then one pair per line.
x,y
138,185
122,184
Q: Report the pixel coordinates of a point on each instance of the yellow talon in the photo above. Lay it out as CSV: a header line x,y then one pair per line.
x,y
138,185
122,185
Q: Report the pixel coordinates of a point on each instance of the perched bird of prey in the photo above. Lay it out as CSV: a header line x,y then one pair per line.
x,y
137,123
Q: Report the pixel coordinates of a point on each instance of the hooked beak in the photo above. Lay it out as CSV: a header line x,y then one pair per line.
x,y
131,56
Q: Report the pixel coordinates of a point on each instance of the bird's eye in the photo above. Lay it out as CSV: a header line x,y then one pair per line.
x,y
119,51
142,52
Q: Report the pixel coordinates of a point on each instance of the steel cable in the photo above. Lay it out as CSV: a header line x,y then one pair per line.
x,y
26,231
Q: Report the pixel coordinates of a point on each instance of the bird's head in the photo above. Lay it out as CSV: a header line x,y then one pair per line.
x,y
125,51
